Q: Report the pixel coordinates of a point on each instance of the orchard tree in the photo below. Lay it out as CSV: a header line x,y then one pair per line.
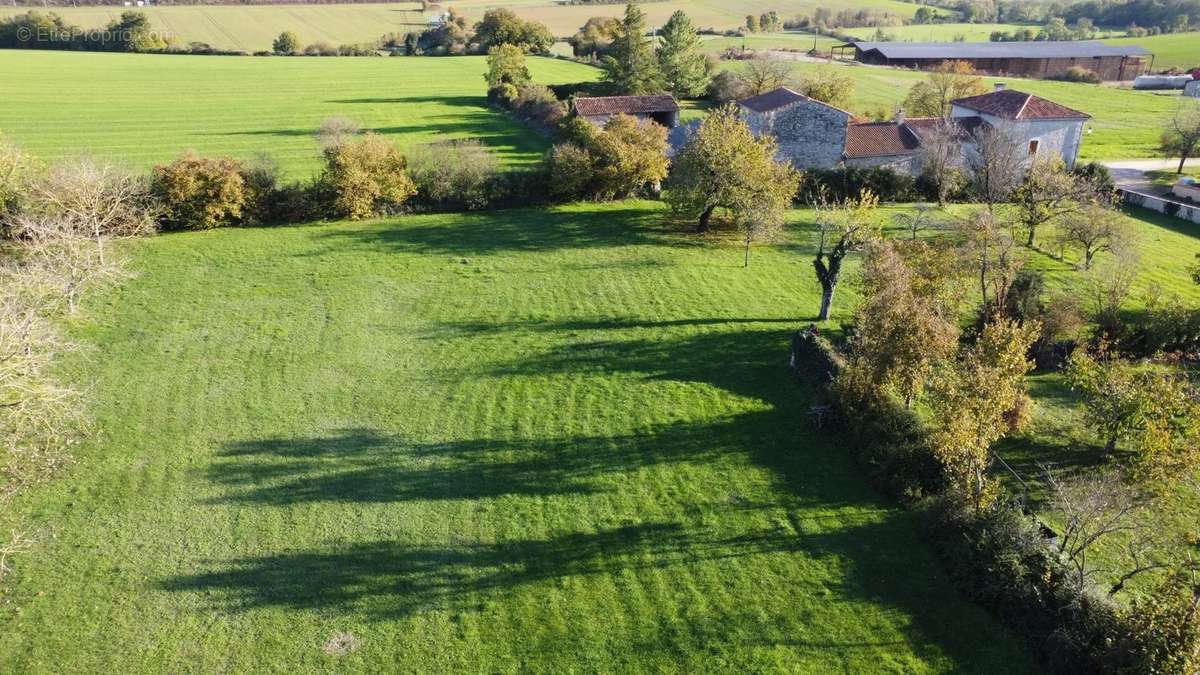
x,y
1156,411
1049,193
972,405
843,227
948,81
631,65
1182,137
723,166
907,323
286,43
941,158
684,67
1094,228
993,255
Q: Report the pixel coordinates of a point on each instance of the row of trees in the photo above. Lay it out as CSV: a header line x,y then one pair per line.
x,y
35,30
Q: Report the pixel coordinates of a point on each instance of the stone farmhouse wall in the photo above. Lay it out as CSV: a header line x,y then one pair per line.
x,y
810,134
904,164
1061,137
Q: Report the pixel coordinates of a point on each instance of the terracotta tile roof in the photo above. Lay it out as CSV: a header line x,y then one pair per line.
x,y
966,126
773,100
880,139
627,105
1017,105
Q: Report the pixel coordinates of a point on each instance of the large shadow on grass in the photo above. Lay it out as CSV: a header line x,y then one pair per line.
x,y
517,230
873,547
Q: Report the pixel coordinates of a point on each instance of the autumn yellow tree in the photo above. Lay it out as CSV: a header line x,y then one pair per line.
x,y
948,81
973,403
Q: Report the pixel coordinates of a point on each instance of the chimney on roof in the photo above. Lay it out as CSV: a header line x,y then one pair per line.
x,y
899,118
1000,86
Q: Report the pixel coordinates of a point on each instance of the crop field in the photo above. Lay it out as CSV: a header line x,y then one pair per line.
x,y
542,440
941,32
253,28
144,109
1125,123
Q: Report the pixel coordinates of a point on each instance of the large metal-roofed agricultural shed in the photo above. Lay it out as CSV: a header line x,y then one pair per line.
x,y
1025,59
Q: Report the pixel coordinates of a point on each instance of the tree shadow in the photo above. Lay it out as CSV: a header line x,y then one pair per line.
x,y
519,230
459,101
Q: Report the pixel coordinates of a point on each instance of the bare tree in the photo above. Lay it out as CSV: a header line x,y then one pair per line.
x,y
942,157
61,255
995,161
764,73
92,199
1102,508
1094,228
994,255
922,217
336,130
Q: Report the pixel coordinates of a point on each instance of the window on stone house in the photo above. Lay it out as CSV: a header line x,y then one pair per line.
x,y
1033,146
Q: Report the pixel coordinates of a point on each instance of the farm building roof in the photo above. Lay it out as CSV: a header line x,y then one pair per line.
x,y
773,100
1017,105
998,50
922,126
625,105
880,139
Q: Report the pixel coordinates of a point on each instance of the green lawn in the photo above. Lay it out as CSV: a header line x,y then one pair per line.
x,y
1175,50
539,441
143,109
791,41
938,32
1125,124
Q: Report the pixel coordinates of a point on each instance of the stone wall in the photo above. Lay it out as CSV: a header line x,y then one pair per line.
x,y
1167,206
810,134
905,164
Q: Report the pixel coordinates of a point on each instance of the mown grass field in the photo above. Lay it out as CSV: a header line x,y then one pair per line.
x,y
940,32
1125,124
538,441
144,109
1177,50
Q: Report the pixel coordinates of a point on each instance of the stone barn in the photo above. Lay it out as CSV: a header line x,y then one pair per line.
x,y
599,109
809,133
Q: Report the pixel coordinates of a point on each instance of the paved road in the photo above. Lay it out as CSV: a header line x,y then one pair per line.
x,y
1132,172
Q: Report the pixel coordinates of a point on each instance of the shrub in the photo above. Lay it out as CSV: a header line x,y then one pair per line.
x,y
727,86
364,177
538,103
453,173
569,168
1078,74
333,131
849,183
320,49
200,193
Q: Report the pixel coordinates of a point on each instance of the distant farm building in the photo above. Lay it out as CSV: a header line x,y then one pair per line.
x,y
1023,59
599,109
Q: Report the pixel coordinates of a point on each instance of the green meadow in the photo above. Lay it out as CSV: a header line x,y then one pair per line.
x,y
145,109
551,441
1175,50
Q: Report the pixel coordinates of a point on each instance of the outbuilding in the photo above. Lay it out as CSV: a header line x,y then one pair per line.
x,y
1023,59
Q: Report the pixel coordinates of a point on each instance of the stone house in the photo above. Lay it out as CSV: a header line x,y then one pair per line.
x,y
815,135
811,134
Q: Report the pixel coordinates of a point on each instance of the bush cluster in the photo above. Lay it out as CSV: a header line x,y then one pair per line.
x,y
848,183
999,556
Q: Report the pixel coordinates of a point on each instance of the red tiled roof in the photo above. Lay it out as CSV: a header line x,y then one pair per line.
x,y
966,126
1017,105
879,139
773,100
627,105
